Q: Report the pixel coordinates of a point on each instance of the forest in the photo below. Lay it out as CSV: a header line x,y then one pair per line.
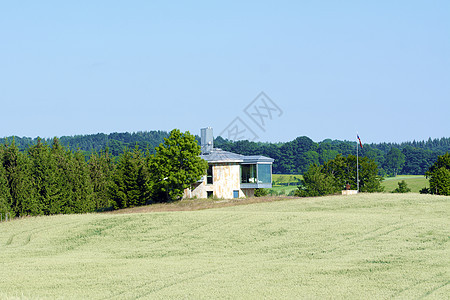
x,y
50,178
293,157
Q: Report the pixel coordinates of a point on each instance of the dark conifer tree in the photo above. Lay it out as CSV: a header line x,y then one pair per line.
x,y
79,177
43,171
16,167
130,180
101,169
5,196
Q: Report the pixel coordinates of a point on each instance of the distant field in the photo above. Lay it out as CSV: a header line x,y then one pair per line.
x,y
376,246
283,184
414,182
282,190
285,177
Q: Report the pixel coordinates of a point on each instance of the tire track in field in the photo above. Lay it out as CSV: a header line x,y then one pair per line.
x,y
434,290
180,277
427,293
94,228
30,233
349,241
146,289
228,219
371,235
176,282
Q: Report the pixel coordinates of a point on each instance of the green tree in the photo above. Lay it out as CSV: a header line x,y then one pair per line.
x,y
402,187
81,184
101,170
5,196
131,185
394,162
176,165
316,182
43,171
72,180
16,168
333,176
439,175
369,178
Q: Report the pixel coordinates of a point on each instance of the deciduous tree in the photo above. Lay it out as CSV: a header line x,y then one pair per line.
x,y
176,165
439,176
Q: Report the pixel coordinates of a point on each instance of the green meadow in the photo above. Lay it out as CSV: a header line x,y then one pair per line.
x,y
284,184
376,246
414,182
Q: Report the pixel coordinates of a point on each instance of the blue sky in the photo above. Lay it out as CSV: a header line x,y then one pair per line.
x,y
329,68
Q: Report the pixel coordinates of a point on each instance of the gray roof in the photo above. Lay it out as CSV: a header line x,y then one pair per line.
x,y
221,156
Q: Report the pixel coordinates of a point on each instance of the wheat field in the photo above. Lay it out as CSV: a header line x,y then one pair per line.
x,y
376,246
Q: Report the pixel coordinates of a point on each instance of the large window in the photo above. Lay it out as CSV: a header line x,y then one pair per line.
x,y
256,173
264,173
248,174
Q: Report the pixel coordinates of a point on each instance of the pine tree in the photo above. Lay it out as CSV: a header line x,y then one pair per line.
x,y
82,200
16,167
43,169
402,187
5,196
73,181
101,170
131,186
59,158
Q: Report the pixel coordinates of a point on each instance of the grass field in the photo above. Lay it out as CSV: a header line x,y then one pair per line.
x,y
282,190
414,182
375,246
278,189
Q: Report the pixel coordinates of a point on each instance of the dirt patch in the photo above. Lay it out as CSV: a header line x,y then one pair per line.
x,y
197,204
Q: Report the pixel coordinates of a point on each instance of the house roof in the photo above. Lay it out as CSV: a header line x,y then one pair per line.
x,y
221,156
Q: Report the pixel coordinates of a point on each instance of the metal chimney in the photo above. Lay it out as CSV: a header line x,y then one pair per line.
x,y
207,140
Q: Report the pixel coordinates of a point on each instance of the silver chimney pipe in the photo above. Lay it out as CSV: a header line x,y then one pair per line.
x,y
207,140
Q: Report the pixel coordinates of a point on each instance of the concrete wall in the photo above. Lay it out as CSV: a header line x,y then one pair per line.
x,y
226,179
349,192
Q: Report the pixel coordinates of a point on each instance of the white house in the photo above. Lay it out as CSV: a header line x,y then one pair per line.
x,y
230,175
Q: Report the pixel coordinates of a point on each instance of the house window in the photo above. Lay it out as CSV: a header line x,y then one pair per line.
x,y
248,174
264,173
209,175
209,194
235,194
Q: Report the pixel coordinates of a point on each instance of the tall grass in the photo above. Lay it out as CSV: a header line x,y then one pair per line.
x,y
365,246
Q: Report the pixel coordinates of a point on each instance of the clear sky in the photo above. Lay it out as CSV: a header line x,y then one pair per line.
x,y
329,68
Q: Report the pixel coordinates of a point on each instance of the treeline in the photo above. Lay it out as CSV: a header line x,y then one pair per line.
x,y
52,179
115,142
413,158
294,157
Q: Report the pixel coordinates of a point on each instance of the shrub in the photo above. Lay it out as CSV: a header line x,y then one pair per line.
x,y
402,187
261,192
425,190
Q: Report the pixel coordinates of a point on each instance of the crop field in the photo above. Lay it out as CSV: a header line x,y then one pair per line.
x,y
414,182
374,246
